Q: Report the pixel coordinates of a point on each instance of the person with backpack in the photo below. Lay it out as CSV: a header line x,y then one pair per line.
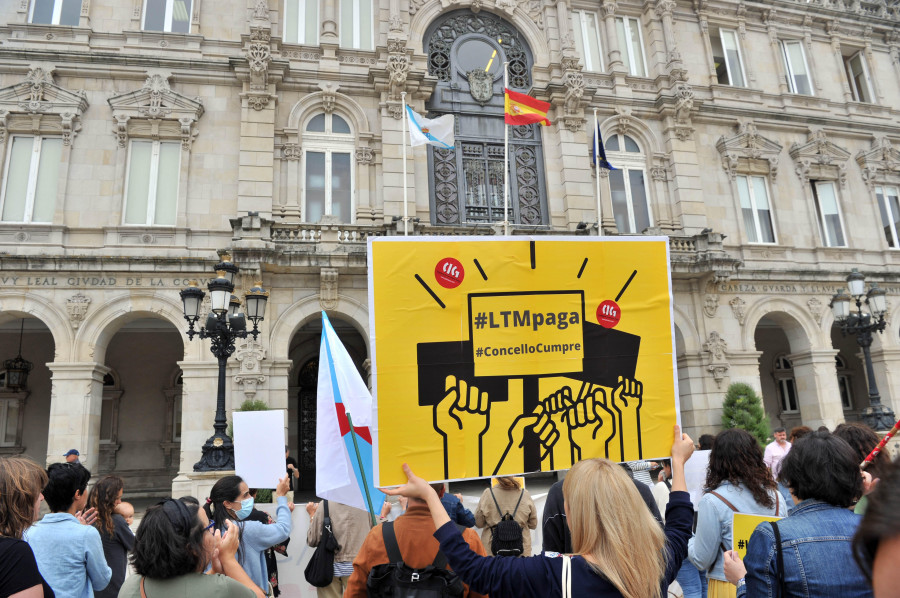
x,y
349,526
506,511
620,552
737,481
396,552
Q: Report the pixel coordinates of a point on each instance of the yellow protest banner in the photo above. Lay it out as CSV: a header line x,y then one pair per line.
x,y
507,356
742,529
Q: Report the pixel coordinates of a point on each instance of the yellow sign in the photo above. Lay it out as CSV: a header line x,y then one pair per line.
x,y
506,356
742,529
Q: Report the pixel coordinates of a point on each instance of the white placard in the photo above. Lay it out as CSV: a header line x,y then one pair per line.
x,y
259,447
695,475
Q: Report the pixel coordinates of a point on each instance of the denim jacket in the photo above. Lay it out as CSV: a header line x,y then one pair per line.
x,y
818,557
714,524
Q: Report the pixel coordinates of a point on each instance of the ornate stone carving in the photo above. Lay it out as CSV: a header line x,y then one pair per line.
x,y
291,151
881,160
665,7
249,354
718,360
395,109
155,110
481,85
38,96
398,69
816,308
365,155
328,291
77,306
261,10
684,102
574,81
258,102
710,305
820,158
748,146
737,309
329,96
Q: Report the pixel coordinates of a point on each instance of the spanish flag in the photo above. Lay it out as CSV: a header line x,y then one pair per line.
x,y
525,110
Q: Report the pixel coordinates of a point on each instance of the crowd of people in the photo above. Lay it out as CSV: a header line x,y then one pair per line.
x,y
605,531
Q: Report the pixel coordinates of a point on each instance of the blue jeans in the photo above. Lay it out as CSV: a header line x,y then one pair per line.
x,y
691,580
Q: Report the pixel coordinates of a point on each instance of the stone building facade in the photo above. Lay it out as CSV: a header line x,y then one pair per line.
x,y
140,139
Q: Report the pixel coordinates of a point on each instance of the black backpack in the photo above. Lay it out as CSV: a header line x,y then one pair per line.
x,y
396,580
506,536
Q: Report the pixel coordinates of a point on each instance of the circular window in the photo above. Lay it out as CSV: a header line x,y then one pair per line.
x,y
479,54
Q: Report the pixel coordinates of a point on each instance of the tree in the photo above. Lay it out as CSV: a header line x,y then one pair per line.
x,y
743,409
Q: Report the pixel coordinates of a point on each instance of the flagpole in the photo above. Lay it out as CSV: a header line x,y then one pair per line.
x,y
362,471
597,169
505,155
405,204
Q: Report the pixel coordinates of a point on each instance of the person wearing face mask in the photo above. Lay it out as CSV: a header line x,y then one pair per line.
x,y
230,499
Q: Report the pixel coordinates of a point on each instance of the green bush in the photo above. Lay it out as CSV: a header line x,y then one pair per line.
x,y
248,405
743,409
264,495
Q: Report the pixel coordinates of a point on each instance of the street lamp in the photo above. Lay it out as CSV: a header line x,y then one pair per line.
x,y
862,325
223,325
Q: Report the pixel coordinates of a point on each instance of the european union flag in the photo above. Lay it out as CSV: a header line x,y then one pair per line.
x,y
599,151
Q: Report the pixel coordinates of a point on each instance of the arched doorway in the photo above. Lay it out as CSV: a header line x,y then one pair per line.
x,y
25,412
304,353
466,52
778,336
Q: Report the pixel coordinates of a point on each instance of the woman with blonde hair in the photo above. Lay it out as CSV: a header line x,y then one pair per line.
x,y
620,550
508,497
21,482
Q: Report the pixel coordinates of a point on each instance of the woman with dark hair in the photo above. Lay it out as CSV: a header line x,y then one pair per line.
x,y
798,432
21,481
114,531
174,544
737,481
813,555
230,500
862,439
876,545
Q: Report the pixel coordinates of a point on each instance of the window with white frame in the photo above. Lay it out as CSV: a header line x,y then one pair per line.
x,y
301,22
55,12
357,29
631,45
828,213
756,208
628,186
844,387
889,208
586,30
727,57
859,78
151,188
167,15
9,421
31,178
328,177
796,67
787,390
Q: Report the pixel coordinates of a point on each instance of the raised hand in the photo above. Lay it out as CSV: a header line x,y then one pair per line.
x,y
627,397
555,406
591,425
543,426
462,416
88,517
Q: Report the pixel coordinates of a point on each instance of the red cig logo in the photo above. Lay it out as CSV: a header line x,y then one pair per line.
x,y
608,314
449,273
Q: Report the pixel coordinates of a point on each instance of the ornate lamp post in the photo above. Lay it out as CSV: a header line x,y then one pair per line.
x,y
223,325
862,325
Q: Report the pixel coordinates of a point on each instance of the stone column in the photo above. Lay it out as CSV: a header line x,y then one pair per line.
x,y
832,29
886,361
745,368
870,64
614,54
76,399
818,396
775,45
257,157
278,373
664,10
200,383
707,45
893,41
329,22
696,417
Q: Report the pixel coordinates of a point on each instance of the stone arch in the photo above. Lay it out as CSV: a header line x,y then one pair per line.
x,y
16,305
305,310
799,326
688,331
519,19
94,335
633,127
343,105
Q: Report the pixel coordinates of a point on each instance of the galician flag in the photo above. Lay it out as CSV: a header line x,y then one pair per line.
x,y
340,476
436,131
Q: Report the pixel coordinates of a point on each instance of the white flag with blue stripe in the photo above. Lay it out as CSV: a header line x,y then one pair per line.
x,y
436,131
